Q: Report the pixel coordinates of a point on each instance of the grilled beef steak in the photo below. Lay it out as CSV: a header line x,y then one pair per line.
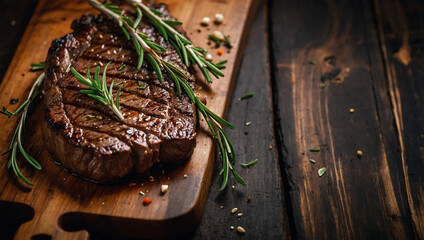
x,y
84,135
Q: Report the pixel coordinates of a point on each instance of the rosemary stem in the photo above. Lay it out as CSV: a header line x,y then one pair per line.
x,y
106,11
134,34
199,63
35,86
116,111
147,11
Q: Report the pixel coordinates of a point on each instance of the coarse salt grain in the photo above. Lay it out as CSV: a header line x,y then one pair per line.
x,y
205,21
209,57
218,35
219,18
164,188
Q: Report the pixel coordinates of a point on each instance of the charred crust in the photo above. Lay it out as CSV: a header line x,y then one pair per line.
x,y
51,70
87,20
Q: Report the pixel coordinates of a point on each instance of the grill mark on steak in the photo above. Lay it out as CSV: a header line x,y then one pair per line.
x,y
145,105
151,92
158,125
129,73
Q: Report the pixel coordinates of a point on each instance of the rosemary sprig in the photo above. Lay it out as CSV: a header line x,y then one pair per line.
x,y
98,90
187,51
16,142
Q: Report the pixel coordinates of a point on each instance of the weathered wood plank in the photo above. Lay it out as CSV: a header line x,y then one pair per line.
x,y
358,197
263,215
401,30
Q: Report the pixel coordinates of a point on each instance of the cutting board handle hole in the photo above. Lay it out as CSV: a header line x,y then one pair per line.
x,y
12,216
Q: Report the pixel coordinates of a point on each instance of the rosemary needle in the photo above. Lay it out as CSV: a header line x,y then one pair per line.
x,y
121,67
249,164
247,95
221,62
140,86
321,171
37,66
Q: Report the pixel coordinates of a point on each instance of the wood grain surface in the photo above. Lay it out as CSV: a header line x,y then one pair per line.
x,y
401,30
326,64
66,207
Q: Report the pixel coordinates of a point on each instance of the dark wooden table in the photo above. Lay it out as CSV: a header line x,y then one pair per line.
x,y
308,63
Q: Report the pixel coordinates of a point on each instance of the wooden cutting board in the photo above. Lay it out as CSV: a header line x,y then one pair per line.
x,y
66,207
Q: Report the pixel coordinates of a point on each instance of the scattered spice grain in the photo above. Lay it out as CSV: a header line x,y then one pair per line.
x,y
147,201
240,229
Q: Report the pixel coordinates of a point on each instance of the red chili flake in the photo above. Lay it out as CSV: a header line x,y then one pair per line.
x,y
220,52
132,184
147,201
